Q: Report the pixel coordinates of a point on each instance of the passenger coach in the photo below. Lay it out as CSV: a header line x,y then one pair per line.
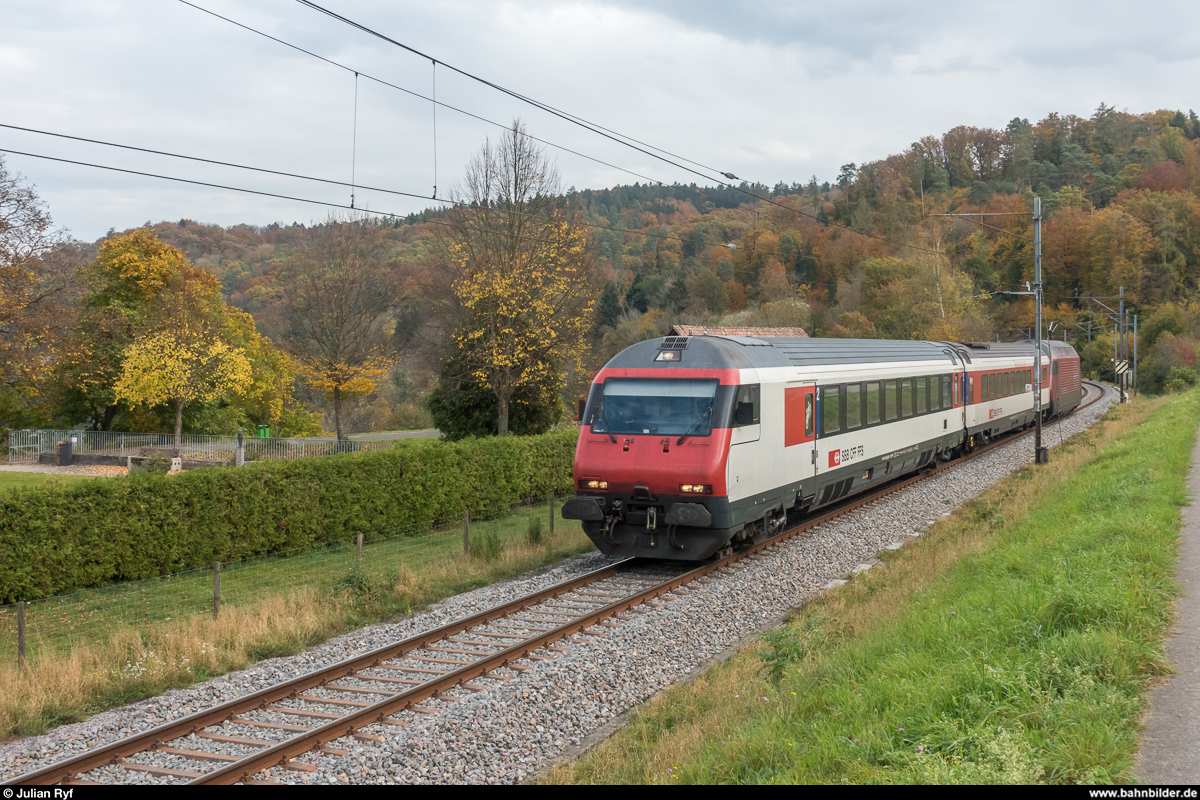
x,y
693,445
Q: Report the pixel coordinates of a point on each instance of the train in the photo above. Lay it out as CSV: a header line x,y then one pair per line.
x,y
693,446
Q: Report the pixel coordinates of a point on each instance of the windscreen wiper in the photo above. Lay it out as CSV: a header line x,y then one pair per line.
x,y
696,424
607,427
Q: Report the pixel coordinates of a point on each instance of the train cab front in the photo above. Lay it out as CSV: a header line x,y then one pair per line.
x,y
650,464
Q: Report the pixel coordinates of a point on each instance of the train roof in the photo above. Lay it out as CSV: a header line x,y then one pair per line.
x,y
745,352
983,351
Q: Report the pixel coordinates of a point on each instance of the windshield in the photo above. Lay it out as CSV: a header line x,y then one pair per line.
x,y
671,407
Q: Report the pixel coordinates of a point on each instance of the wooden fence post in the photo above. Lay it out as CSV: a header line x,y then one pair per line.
x,y
552,513
216,589
358,554
21,634
466,532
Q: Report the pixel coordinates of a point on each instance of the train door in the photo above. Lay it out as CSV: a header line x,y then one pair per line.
x,y
800,428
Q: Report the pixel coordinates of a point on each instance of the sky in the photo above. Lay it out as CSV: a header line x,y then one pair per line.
x,y
769,91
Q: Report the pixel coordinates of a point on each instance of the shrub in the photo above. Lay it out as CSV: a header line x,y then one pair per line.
x,y
534,532
156,464
485,543
1181,379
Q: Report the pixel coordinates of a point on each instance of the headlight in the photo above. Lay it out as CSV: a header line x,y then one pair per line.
x,y
591,483
695,488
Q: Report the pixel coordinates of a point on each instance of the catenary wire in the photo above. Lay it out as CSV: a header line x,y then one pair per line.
x,y
614,137
537,139
604,228
418,95
294,198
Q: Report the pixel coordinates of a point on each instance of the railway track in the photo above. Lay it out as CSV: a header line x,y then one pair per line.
x,y
414,676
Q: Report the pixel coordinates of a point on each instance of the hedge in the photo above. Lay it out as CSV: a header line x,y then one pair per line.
x,y
65,536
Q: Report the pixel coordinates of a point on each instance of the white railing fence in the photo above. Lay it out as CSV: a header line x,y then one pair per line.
x,y
26,446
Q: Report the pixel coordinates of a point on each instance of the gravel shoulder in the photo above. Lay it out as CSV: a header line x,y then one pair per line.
x,y
510,732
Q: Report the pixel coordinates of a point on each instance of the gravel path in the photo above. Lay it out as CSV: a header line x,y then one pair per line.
x,y
515,728
78,469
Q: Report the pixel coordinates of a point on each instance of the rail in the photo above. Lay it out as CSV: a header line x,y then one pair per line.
x,y
553,624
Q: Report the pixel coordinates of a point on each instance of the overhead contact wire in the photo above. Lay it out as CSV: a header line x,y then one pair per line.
x,y
602,132
418,95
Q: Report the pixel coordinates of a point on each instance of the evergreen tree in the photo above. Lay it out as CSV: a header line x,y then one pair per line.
x,y
609,310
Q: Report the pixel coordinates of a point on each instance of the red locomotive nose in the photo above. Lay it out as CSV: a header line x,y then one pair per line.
x,y
658,463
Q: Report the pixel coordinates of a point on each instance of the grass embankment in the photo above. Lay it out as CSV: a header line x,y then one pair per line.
x,y
286,606
1009,645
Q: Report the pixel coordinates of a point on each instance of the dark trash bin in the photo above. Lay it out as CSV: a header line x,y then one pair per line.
x,y
64,453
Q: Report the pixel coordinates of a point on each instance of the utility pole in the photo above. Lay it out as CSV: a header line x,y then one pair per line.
x,y
1135,355
1121,354
1040,454
1091,366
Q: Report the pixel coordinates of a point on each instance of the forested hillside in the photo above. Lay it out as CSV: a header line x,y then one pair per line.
x,y
861,255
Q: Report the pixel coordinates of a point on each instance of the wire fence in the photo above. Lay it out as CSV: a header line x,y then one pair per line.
x,y
27,446
54,625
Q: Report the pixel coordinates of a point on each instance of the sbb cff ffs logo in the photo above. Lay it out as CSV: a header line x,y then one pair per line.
x,y
836,457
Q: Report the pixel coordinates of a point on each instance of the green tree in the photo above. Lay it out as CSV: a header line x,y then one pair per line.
x,y
609,309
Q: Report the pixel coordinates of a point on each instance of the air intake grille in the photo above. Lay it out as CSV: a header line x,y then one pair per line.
x,y
674,343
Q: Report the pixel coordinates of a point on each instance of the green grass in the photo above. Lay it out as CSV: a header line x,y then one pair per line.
x,y
1011,645
22,480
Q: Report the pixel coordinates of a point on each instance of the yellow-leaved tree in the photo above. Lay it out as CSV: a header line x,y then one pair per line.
x,y
524,281
169,367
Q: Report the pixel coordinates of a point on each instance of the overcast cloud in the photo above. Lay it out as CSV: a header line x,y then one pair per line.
x,y
769,91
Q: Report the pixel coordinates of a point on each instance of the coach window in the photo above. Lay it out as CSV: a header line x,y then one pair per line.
x,y
922,394
906,397
890,401
831,409
946,379
853,406
935,392
809,416
873,403
745,406
1004,392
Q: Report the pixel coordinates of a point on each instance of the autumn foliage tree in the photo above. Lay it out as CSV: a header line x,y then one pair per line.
x,y
180,351
180,367
37,297
334,316
523,273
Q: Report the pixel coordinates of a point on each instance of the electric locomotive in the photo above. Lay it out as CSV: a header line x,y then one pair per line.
x,y
693,445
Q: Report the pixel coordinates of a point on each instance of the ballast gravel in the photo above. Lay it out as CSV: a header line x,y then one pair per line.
x,y
515,728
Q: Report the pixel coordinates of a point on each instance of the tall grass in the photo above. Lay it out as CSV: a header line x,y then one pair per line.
x,y
1010,645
